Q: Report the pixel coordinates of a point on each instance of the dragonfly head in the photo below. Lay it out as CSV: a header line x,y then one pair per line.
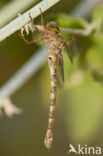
x,y
53,26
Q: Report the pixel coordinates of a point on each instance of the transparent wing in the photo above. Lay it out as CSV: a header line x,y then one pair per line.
x,y
60,71
73,46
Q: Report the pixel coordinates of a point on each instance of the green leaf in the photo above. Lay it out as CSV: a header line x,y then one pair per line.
x,y
97,18
70,21
98,13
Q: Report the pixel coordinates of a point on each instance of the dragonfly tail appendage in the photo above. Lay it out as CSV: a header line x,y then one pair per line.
x,y
52,61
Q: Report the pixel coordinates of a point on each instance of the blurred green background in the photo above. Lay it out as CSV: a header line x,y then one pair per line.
x,y
79,118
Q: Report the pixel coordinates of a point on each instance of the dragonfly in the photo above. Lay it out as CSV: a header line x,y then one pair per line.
x,y
55,44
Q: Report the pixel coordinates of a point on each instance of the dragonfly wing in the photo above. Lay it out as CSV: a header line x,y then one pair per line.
x,y
60,71
73,47
68,50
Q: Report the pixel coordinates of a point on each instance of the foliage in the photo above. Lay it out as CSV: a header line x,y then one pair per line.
x,y
85,92
87,49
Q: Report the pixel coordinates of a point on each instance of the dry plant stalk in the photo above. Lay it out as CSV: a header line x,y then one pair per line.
x,y
9,109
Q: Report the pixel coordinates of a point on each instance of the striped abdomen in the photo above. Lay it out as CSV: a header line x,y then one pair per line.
x,y
52,61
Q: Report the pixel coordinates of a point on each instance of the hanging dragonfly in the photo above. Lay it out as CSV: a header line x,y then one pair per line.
x,y
55,44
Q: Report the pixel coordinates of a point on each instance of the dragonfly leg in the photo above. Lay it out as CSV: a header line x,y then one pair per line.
x,y
42,20
36,28
32,41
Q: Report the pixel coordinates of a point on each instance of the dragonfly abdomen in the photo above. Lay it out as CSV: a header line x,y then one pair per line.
x,y
52,61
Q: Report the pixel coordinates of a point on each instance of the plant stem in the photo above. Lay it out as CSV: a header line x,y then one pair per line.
x,y
20,21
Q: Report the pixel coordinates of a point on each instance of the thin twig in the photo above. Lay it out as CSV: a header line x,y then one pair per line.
x,y
83,32
20,21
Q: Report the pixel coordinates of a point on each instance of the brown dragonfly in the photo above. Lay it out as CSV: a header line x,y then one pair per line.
x,y
55,44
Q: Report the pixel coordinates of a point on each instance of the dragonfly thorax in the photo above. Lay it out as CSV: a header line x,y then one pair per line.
x,y
55,42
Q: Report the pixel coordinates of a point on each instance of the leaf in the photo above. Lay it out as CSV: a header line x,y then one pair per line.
x,y
98,13
70,21
97,18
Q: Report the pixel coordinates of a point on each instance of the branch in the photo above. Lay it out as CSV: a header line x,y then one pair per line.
x,y
19,22
83,32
